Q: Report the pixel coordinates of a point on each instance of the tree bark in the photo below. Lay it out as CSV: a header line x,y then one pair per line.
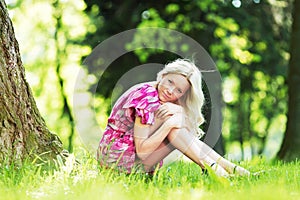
x,y
23,132
290,149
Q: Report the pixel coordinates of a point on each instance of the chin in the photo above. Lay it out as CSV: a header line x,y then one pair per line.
x,y
162,100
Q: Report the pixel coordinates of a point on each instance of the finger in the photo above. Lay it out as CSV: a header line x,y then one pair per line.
x,y
160,113
165,117
163,113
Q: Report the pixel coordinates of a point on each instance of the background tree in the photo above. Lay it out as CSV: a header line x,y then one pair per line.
x,y
23,132
251,55
290,147
51,53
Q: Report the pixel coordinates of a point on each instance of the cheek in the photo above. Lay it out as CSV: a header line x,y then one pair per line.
x,y
180,95
176,97
161,87
159,90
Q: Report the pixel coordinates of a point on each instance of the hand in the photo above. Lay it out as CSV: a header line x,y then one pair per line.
x,y
168,109
177,120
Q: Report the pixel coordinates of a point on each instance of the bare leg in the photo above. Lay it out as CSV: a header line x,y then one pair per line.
x,y
162,151
195,149
224,163
227,165
192,147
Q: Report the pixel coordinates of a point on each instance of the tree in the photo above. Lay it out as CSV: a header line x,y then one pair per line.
x,y
237,40
290,147
23,132
114,19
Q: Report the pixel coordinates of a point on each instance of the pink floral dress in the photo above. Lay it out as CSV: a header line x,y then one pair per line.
x,y
117,147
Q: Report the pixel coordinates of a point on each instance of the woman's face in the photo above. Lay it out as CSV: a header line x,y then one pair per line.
x,y
172,87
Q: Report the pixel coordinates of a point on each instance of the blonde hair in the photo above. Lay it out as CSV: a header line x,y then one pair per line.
x,y
193,99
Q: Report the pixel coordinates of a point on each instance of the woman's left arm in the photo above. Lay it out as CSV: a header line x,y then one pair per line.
x,y
148,137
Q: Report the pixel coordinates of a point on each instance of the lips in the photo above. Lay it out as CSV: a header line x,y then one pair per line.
x,y
165,96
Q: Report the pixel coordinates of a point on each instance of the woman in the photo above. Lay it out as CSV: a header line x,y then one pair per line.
x,y
152,119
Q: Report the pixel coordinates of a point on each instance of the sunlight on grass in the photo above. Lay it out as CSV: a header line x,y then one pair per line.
x,y
180,180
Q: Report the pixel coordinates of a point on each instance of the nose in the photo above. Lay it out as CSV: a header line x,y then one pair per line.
x,y
170,89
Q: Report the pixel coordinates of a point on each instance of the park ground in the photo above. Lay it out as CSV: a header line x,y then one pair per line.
x,y
83,178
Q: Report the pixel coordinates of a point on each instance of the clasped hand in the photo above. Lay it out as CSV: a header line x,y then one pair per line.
x,y
171,113
168,109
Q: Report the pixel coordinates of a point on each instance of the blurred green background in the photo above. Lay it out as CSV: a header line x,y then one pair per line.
x,y
248,40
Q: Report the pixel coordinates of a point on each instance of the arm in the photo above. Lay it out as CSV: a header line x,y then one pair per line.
x,y
147,138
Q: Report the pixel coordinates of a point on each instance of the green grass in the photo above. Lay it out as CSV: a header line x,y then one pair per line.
x,y
176,181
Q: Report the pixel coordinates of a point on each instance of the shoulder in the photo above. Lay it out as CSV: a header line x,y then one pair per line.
x,y
142,96
144,91
141,89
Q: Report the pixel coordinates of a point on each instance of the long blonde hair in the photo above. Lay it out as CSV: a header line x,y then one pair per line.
x,y
192,101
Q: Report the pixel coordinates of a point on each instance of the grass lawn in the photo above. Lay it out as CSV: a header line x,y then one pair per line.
x,y
179,180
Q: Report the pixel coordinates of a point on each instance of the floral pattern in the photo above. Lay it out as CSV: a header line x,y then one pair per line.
x,y
116,148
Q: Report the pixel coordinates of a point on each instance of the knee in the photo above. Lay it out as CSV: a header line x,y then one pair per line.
x,y
175,132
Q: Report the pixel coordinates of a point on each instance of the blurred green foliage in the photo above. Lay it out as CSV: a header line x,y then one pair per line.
x,y
249,44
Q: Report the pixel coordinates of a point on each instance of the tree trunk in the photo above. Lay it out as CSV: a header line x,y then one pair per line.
x,y
23,132
290,149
